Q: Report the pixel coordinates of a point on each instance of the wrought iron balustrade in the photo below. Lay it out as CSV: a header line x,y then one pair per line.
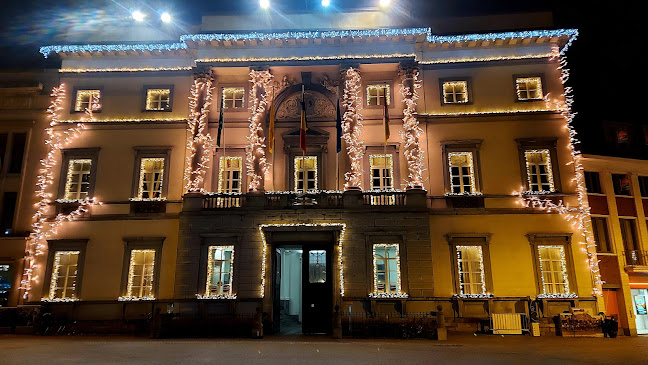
x,y
379,197
636,257
222,201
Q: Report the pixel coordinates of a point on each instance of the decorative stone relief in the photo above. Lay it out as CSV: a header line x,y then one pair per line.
x,y
318,106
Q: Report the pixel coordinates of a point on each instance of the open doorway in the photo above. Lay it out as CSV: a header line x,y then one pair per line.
x,y
289,266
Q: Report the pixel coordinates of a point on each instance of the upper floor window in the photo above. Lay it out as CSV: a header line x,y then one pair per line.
x,y
643,186
455,92
151,178
63,284
233,97
378,94
305,173
77,185
12,152
220,270
382,172
386,260
622,136
621,183
593,182
601,236
229,177
158,99
539,171
462,172
529,88
88,99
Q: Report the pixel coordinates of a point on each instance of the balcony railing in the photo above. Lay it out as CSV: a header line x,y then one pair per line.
x,y
222,201
290,199
636,257
383,197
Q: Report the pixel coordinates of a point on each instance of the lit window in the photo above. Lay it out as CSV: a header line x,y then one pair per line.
x,y
317,266
141,274
382,175
462,173
158,99
455,92
378,94
539,173
88,99
77,185
386,268
553,269
233,97
151,178
305,173
470,264
529,88
64,275
229,176
220,270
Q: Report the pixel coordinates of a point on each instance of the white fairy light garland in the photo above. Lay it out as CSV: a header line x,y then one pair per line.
x,y
255,156
42,227
352,127
411,131
199,141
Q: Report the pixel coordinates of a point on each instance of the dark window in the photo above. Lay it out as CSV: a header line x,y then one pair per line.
x,y
622,136
593,182
601,236
643,186
8,210
621,184
629,234
4,137
17,152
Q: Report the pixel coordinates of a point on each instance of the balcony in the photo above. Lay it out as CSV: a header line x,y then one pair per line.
x,y
636,260
353,199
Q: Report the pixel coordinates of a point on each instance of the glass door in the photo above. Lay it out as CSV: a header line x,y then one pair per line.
x,y
317,289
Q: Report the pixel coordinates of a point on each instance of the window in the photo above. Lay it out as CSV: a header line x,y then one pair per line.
x,y
5,284
643,186
382,172
63,284
621,183
462,173
12,152
470,269
87,99
601,236
229,177
529,88
141,274
593,182
220,271
317,266
553,269
630,239
539,172
77,185
305,173
378,95
158,99
622,136
233,97
9,200
151,178
455,92
386,260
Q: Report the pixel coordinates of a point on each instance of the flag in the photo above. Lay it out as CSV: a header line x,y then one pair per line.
x,y
220,126
386,118
303,128
271,128
338,127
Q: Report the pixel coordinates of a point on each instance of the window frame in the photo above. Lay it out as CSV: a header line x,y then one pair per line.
x,y
214,178
221,177
74,154
154,87
382,83
305,177
614,187
553,239
218,239
6,161
540,143
392,149
387,237
75,94
642,181
469,95
598,179
142,152
471,239
541,76
469,145
141,243
221,100
56,245
608,230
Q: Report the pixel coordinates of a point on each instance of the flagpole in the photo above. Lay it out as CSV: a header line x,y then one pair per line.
x,y
304,149
274,152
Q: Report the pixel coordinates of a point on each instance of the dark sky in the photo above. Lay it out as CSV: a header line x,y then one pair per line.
x,y
604,61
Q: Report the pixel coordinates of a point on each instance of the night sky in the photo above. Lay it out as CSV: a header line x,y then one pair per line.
x,y
604,60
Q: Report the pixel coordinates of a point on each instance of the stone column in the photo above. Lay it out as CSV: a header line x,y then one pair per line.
x,y
411,129
352,127
256,162
199,141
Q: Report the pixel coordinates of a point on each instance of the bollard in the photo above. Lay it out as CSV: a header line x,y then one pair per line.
x,y
442,331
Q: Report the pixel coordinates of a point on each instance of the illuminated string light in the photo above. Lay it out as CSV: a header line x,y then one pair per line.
x,y
304,35
455,92
129,297
200,143
529,156
42,227
55,276
352,127
255,156
124,69
304,161
341,226
493,112
461,273
387,294
528,82
158,99
142,47
210,272
125,120
411,132
373,91
488,58
471,169
563,270
89,97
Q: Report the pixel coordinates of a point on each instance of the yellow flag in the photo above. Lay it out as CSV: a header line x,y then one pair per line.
x,y
271,129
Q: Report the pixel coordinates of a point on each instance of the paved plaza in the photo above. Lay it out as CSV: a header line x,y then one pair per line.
x,y
315,350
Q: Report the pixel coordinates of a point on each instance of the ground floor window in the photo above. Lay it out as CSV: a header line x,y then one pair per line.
x,y
470,265
220,271
63,284
141,274
553,269
640,309
387,275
